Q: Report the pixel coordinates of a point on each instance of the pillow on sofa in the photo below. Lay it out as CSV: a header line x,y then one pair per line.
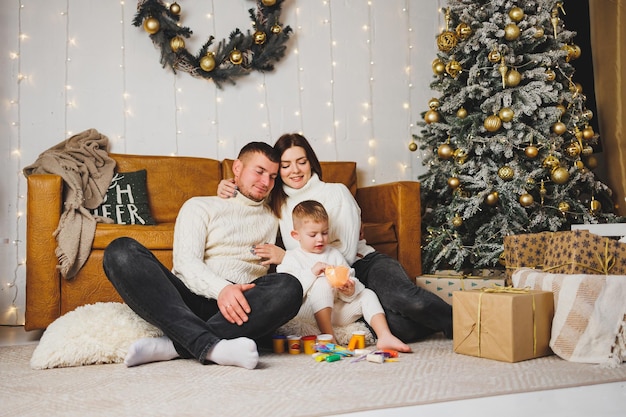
x,y
126,201
92,334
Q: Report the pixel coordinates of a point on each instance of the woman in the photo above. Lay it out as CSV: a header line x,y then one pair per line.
x,y
412,312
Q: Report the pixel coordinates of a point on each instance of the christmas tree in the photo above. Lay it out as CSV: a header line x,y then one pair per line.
x,y
507,142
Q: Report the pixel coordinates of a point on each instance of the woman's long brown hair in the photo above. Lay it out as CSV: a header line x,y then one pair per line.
x,y
286,141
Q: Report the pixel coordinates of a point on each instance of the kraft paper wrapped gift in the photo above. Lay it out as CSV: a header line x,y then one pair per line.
x,y
582,252
525,251
508,324
445,286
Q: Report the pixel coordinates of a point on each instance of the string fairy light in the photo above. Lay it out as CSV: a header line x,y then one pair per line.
x,y
371,160
331,102
298,112
409,73
125,96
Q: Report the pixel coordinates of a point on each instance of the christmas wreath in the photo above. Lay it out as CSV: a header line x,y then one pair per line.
x,y
239,55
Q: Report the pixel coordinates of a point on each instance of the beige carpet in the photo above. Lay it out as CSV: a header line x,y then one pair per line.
x,y
282,385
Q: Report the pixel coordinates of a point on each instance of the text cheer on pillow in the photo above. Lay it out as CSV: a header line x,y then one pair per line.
x,y
126,201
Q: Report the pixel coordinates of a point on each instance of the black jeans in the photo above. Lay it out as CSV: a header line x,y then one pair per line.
x,y
193,322
412,312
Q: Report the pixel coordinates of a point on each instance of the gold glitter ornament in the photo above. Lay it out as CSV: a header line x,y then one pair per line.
x,y
573,149
460,156
513,78
511,32
151,25
276,29
259,37
526,200
457,221
559,175
492,123
236,57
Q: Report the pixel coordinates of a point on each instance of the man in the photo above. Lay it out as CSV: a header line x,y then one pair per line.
x,y
218,298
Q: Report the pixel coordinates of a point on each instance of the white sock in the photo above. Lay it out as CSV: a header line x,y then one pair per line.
x,y
235,352
150,349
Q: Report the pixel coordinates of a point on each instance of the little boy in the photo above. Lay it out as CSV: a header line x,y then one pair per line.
x,y
330,307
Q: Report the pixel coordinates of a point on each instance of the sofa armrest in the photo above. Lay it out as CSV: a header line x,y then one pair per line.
x,y
399,203
43,208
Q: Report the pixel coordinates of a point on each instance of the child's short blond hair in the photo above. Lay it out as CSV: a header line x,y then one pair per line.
x,y
308,210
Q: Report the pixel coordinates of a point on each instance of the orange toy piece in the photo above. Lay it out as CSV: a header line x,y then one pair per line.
x,y
337,276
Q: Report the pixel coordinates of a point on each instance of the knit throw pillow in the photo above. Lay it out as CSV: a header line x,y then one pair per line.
x,y
126,201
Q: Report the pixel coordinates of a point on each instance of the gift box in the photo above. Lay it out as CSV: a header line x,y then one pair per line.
x,y
445,285
505,324
525,251
582,252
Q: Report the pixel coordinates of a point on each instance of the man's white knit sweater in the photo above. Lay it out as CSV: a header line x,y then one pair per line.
x,y
213,238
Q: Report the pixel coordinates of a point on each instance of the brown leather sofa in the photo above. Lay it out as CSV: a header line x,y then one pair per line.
x,y
390,214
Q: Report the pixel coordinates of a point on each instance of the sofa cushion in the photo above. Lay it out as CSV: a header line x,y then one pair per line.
x,y
126,201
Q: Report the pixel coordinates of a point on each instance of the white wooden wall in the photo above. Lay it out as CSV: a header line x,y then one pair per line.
x,y
354,80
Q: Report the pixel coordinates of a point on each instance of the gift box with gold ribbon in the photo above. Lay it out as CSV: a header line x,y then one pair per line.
x,y
525,251
506,324
582,252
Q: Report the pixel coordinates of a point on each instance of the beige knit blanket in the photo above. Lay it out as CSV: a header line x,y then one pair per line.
x,y
589,322
86,168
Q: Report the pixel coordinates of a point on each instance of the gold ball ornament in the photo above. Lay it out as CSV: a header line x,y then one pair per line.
x,y
434,103
511,32
259,37
526,200
516,14
559,128
207,62
431,116
579,165
564,207
559,175
445,151
539,32
506,114
454,182
588,133
463,31
412,146
561,108
453,68
460,156
569,50
492,123
175,8
461,113
591,162
576,88
573,149
531,151
594,206
268,2
492,198
587,150
177,43
513,78
506,173
236,57
151,25
276,29
550,75
494,56
587,114
457,221
576,52
446,41
438,66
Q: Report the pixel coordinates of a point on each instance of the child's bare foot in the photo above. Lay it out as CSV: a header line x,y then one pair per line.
x,y
392,342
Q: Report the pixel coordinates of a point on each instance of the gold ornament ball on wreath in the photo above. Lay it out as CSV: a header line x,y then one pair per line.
x,y
506,173
151,25
236,57
494,56
460,156
438,66
551,162
268,2
550,75
559,128
457,221
564,207
587,150
463,31
511,32
412,146
492,123
446,41
461,113
259,37
454,182
526,200
595,206
175,8
431,116
492,199
573,149
434,103
531,151
539,32
588,133
453,68
276,29
506,114
177,43
207,62
513,78
559,175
